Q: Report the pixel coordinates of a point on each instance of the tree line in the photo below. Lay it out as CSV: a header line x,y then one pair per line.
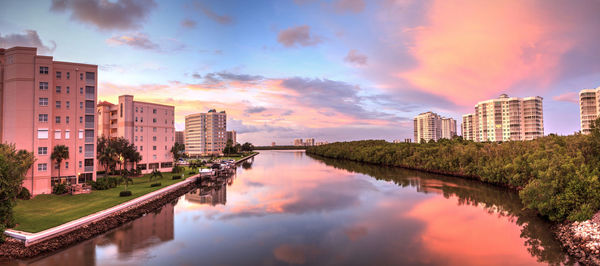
x,y
555,175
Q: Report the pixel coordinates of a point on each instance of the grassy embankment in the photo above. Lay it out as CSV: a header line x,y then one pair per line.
x,y
555,175
47,211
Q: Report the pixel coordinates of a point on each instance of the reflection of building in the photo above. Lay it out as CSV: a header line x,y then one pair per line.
x,y
148,126
273,144
44,103
505,119
589,106
179,137
205,133
147,231
231,135
211,195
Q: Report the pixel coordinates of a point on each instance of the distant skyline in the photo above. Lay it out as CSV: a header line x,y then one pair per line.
x,y
329,70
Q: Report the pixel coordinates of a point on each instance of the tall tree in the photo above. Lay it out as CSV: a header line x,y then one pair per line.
x,y
13,167
177,151
60,153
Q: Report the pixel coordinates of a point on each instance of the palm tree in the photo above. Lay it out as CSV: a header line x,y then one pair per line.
x,y
59,153
155,174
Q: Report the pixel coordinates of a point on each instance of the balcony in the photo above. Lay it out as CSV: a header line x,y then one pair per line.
x,y
89,150
89,121
88,168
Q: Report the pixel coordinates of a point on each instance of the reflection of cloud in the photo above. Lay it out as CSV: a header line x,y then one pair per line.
x,y
294,254
355,233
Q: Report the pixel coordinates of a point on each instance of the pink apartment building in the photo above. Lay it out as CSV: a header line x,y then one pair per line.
x,y
47,103
149,126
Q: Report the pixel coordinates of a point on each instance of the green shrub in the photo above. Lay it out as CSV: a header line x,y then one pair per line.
x,y
125,193
24,194
155,185
175,177
59,189
192,173
176,169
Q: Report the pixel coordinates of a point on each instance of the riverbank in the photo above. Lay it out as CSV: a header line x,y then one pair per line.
x,y
553,175
15,249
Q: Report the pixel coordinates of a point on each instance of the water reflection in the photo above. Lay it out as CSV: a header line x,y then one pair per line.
x,y
284,208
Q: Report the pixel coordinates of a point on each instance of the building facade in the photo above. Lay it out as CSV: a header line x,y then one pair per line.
x,y
46,103
148,126
179,137
205,133
309,142
448,128
231,135
588,108
298,142
427,126
505,119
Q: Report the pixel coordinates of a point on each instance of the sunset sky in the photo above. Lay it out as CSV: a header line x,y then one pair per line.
x,y
331,70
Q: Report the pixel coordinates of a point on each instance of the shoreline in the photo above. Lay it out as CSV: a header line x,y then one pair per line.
x,y
16,249
581,240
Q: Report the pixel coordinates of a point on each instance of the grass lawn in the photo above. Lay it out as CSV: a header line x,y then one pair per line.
x,y
47,211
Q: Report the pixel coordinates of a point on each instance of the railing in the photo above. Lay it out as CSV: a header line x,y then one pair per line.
x,y
90,111
89,154
89,124
89,168
90,96
89,139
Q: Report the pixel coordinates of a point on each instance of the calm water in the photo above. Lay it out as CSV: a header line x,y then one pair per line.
x,y
285,207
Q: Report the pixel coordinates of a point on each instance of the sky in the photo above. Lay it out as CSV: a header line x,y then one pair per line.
x,y
331,70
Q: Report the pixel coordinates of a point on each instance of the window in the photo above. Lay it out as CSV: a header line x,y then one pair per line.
x,y
154,111
43,118
80,137
67,134
141,148
57,119
80,149
153,129
141,138
43,101
89,90
136,129
153,138
42,167
141,109
80,105
68,104
42,133
90,76
141,119
81,90
136,119
80,76
79,164
153,148
58,89
57,134
58,74
68,75
136,109
43,86
58,103
42,150
154,156
141,129
81,120
67,165
43,70
153,120
136,138
67,119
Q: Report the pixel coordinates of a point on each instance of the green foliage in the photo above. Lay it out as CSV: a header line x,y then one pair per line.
x,y
155,184
175,177
247,146
117,152
59,189
230,148
176,169
556,175
60,153
155,175
125,193
13,166
24,194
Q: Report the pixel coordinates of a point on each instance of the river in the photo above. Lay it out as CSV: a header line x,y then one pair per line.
x,y
284,207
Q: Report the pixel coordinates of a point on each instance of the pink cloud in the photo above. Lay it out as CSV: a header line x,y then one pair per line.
x,y
571,97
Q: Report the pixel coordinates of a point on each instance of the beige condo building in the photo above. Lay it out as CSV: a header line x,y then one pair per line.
x,y
589,106
205,133
431,126
505,119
